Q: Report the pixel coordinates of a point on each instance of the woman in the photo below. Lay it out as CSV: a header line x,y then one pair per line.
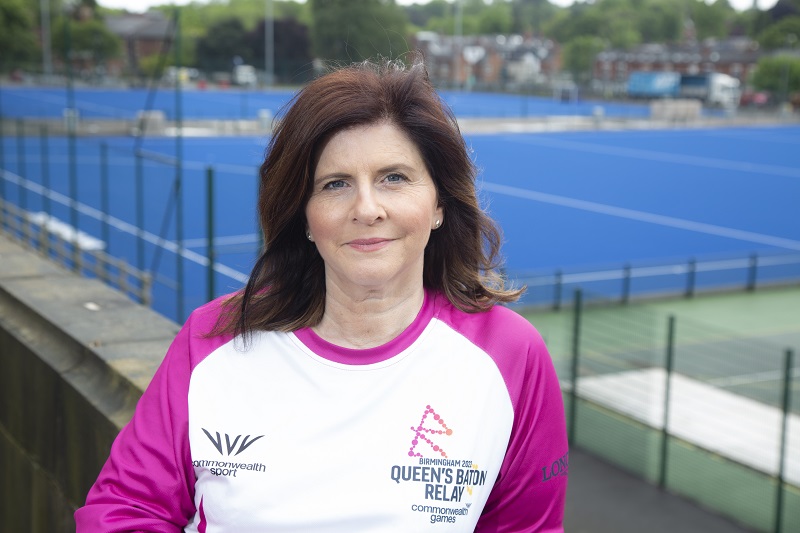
x,y
365,379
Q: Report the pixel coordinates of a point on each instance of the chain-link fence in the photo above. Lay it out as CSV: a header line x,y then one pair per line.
x,y
703,412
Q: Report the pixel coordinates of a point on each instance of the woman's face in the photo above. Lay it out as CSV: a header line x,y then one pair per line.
x,y
372,209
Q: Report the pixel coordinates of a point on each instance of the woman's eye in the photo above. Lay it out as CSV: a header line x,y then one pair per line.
x,y
395,178
336,184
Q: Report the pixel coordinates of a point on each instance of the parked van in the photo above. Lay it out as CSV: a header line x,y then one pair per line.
x,y
245,75
713,88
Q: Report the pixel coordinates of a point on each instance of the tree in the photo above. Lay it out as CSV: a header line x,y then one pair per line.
x,y
779,34
420,14
579,54
292,50
496,18
530,16
350,30
17,40
660,22
777,74
613,22
712,20
88,41
223,46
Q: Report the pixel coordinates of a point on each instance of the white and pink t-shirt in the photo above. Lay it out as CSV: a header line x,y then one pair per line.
x,y
455,425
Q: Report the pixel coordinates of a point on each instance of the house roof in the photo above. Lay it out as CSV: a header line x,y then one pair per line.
x,y
149,25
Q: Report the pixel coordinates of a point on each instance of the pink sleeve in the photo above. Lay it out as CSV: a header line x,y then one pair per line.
x,y
530,491
147,483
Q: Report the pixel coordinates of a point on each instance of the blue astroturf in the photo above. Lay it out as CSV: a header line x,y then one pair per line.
x,y
571,201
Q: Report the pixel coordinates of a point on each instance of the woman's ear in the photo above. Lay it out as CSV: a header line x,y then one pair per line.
x,y
438,218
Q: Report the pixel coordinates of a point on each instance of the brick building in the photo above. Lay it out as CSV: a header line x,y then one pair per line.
x,y
488,61
142,34
736,57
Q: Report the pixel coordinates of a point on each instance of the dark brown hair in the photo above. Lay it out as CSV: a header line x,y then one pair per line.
x,y
286,289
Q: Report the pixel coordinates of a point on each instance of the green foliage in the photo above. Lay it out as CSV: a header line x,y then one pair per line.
x,y
197,18
496,18
477,18
88,40
223,45
152,67
351,30
578,57
625,23
711,20
346,30
530,16
420,14
777,74
292,50
17,42
612,21
660,22
785,33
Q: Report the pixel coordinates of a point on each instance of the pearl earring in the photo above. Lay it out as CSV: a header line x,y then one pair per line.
x,y
308,236
438,222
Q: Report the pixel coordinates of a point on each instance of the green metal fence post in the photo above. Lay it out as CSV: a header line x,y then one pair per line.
x,y
45,151
576,335
104,199
668,365
690,275
626,284
21,164
210,230
44,239
752,273
139,201
788,367
557,290
178,172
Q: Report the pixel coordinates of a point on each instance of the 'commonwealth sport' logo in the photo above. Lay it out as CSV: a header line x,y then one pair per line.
x,y
230,446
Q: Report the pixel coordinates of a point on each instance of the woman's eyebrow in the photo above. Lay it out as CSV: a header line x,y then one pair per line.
x,y
395,167
331,175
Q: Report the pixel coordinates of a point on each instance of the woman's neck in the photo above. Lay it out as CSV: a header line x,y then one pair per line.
x,y
368,320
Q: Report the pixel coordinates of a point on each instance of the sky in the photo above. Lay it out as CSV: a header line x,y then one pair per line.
x,y
143,5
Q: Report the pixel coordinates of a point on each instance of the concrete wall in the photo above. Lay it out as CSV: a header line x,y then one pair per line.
x,y
74,358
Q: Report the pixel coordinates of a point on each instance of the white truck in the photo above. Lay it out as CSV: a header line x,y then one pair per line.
x,y
713,88
245,75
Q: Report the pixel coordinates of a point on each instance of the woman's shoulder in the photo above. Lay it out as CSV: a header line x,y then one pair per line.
x,y
204,318
498,327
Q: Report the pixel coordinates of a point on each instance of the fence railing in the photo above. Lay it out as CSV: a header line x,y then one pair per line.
x,y
76,251
667,278
148,208
690,407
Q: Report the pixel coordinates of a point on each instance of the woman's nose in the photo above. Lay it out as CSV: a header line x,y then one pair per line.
x,y
368,208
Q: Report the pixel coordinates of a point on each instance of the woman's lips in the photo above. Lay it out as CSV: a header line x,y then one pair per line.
x,y
368,244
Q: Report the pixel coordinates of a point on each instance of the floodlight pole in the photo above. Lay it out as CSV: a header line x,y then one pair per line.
x,y
459,31
269,42
47,48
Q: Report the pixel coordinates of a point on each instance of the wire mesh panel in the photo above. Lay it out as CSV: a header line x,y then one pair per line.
x,y
616,406
697,409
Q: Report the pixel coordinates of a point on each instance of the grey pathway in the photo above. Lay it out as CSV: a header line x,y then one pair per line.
x,y
603,499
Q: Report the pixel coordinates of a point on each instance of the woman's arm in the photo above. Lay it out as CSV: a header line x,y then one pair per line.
x,y
147,483
530,491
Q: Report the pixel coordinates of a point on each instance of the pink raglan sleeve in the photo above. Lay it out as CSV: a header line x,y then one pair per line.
x,y
147,483
530,491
